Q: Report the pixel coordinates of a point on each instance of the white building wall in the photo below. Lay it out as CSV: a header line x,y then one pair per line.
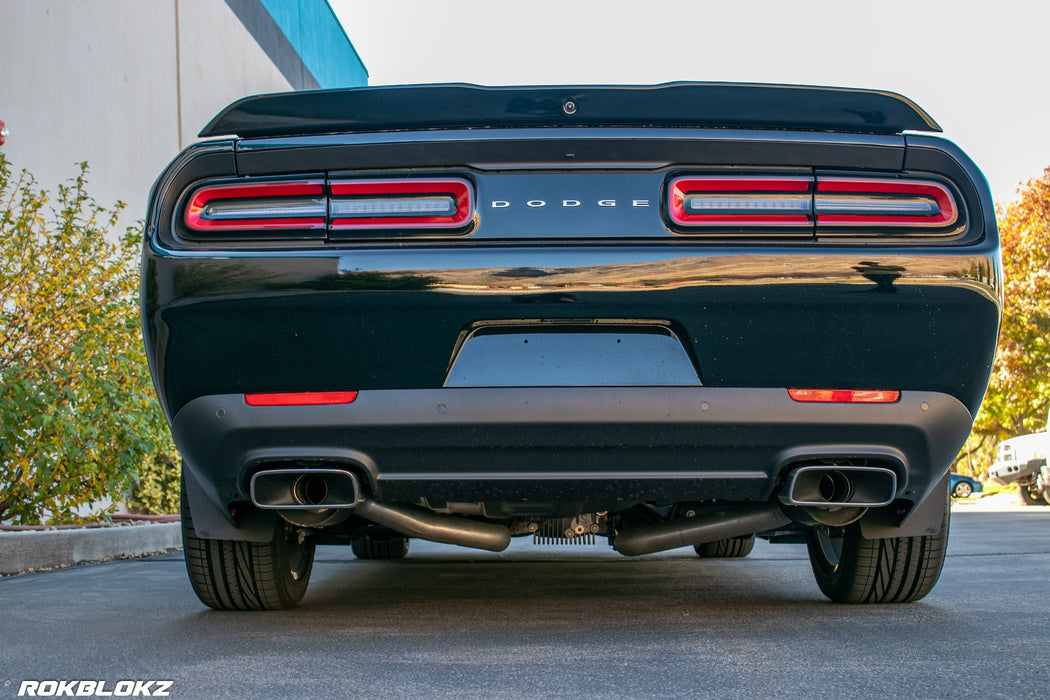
x,y
121,84
219,62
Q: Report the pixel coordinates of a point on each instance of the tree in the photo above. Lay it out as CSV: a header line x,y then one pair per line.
x,y
1019,391
78,418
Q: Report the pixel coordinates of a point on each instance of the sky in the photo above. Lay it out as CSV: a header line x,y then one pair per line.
x,y
980,69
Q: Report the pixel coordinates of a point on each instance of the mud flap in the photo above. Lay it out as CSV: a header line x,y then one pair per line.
x,y
210,522
923,520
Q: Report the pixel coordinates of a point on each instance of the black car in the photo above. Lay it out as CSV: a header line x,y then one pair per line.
x,y
681,315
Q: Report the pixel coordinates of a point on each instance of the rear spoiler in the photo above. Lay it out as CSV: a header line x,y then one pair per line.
x,y
464,106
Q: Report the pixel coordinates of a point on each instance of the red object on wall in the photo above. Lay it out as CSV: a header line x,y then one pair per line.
x,y
3,132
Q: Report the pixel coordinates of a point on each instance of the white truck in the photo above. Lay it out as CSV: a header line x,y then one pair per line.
x,y
1022,460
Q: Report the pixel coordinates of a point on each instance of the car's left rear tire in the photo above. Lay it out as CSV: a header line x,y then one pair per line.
x,y
962,490
729,548
851,569
235,575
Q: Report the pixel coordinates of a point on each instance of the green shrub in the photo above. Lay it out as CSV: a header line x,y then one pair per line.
x,y
78,417
156,488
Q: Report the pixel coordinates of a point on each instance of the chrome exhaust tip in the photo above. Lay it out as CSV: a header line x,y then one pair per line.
x,y
281,489
307,497
834,486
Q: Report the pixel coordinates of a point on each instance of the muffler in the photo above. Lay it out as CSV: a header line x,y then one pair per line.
x,y
732,521
307,497
832,486
416,522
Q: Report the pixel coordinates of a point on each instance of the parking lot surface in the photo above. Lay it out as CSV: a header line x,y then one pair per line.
x,y
552,622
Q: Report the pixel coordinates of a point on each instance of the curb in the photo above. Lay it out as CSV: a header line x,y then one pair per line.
x,y
31,550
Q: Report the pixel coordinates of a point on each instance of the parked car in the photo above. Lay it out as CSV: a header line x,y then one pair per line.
x,y
962,486
668,316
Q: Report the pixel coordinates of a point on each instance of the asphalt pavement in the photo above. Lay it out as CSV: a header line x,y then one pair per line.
x,y
551,622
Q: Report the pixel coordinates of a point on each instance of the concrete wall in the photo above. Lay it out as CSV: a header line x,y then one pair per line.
x,y
122,84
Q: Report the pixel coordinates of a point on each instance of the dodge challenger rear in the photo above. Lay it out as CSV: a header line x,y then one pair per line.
x,y
685,315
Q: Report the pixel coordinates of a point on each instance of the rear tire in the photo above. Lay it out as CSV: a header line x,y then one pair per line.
x,y
1031,495
851,569
235,575
368,548
962,490
729,548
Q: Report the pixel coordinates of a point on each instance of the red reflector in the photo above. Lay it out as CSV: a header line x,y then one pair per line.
x,y
303,398
843,396
401,204
741,201
262,205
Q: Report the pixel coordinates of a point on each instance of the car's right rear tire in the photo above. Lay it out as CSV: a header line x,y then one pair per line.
x,y
1032,495
234,575
729,548
851,569
962,490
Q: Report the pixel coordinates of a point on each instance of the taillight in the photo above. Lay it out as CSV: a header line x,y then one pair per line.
x,y
866,202
822,205
302,398
843,396
741,201
316,209
259,206
362,205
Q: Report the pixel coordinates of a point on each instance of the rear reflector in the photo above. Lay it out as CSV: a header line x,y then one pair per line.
x,y
843,396
303,398
401,204
741,201
281,206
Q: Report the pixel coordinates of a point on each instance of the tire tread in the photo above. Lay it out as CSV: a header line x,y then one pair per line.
x,y
386,549
891,570
728,548
236,575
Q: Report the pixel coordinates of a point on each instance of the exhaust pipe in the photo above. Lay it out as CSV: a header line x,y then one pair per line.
x,y
416,522
736,521
824,486
321,497
307,497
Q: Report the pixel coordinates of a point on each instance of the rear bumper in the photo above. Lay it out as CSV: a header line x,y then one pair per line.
x,y
1012,472
608,445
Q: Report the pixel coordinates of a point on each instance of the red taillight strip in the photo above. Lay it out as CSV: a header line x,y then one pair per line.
x,y
741,201
872,202
406,203
302,398
801,201
262,205
843,396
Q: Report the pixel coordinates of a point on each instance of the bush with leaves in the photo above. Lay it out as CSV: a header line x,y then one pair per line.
x,y
1019,391
78,418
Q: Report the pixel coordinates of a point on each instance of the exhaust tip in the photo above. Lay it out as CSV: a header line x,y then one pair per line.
x,y
305,489
310,490
832,486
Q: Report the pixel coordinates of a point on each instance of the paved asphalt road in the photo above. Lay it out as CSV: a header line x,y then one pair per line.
x,y
552,622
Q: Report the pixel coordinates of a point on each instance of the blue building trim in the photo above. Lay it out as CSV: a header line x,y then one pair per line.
x,y
304,40
324,48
